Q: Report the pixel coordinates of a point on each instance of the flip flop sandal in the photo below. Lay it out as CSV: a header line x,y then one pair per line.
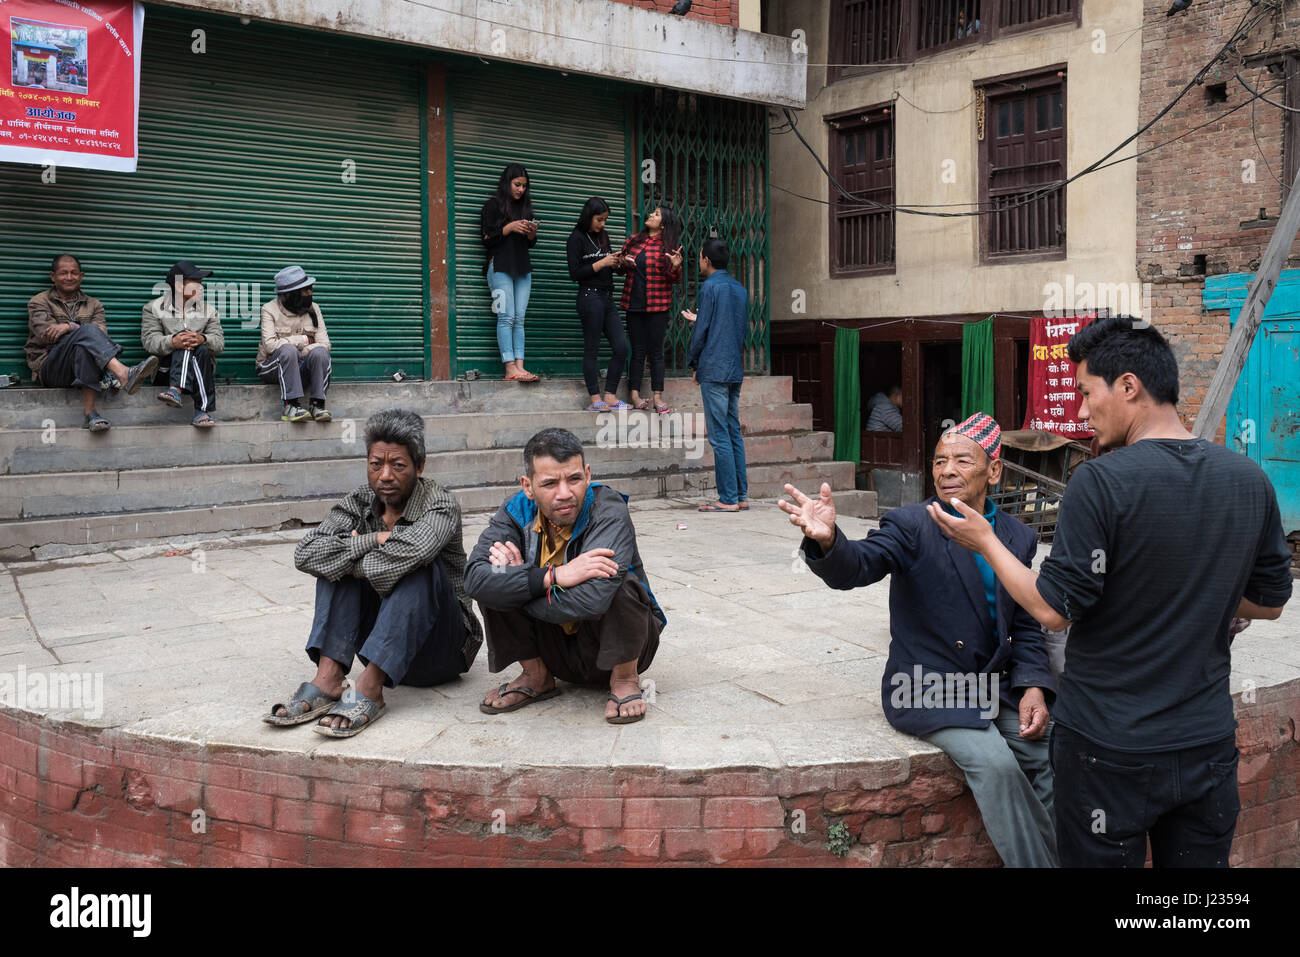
x,y
171,397
96,422
598,407
308,694
361,714
529,697
663,409
618,405
628,718
203,421
744,506
716,507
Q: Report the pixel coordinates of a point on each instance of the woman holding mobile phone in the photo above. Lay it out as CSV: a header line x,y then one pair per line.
x,y
592,265
654,258
509,231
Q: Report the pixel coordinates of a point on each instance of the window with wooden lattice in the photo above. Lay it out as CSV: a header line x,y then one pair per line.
x,y
1022,163
861,224
871,33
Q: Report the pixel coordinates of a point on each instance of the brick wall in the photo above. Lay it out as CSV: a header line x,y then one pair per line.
x,y
726,12
83,797
1194,196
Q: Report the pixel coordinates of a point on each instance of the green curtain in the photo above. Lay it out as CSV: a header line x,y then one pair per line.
x,y
977,368
848,397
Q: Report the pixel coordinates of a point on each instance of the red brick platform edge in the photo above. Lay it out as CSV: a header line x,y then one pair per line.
x,y
83,797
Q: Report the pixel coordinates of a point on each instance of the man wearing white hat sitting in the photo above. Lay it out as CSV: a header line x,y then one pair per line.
x,y
295,348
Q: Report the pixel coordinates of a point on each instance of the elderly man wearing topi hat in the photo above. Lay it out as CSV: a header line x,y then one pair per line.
x,y
967,668
295,349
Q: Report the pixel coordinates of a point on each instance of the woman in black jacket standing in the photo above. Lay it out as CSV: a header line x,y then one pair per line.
x,y
509,231
592,266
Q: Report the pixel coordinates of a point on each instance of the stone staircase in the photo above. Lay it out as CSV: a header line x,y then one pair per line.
x,y
65,491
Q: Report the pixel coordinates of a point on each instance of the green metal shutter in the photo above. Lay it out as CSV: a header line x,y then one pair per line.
x,y
242,160
571,135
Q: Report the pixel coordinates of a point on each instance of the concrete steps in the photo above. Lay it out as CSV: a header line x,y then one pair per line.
x,y
66,491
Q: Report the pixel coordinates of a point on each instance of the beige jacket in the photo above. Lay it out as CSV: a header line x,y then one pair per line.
x,y
280,328
161,320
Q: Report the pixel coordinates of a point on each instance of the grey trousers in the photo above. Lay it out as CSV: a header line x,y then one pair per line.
x,y
1011,779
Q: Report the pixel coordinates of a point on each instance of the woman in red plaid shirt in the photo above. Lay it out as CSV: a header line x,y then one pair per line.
x,y
654,256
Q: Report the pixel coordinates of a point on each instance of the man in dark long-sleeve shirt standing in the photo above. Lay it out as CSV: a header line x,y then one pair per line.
x,y
391,568
718,357
1159,545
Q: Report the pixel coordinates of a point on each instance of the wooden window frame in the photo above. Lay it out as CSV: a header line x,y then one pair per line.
x,y
1024,83
838,123
991,16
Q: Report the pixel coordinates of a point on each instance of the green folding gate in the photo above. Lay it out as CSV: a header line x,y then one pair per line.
x,y
709,160
571,135
260,146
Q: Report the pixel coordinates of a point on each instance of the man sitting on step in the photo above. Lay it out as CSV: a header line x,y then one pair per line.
x,y
183,330
295,348
68,344
967,668
559,580
390,567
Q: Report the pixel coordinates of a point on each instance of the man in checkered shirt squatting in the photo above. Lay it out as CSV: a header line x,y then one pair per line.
x,y
390,570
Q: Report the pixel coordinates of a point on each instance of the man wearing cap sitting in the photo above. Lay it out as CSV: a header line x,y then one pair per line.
x,y
183,330
68,344
967,668
295,349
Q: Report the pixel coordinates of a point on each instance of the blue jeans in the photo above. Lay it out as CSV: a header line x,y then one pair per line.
x,y
510,302
1109,802
722,415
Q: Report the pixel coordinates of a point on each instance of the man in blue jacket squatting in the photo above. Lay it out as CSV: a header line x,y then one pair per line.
x,y
967,668
559,580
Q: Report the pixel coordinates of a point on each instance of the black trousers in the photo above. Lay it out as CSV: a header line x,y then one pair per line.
x,y
78,359
194,372
647,331
415,635
627,631
1108,802
599,315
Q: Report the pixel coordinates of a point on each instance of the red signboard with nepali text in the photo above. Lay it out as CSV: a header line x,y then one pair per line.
x,y
1053,392
71,92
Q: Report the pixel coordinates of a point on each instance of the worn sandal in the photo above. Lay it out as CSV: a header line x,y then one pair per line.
x,y
171,396
203,421
624,718
315,700
529,697
663,408
96,422
361,713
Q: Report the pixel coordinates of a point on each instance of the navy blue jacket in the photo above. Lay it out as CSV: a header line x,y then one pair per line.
x,y
718,339
939,617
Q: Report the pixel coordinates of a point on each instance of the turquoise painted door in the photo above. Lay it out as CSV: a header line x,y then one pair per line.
x,y
1264,413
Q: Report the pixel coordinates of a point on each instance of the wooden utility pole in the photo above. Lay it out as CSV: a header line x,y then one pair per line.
x,y
1252,311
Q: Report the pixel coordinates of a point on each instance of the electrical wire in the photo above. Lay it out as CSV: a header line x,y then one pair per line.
x,y
1238,32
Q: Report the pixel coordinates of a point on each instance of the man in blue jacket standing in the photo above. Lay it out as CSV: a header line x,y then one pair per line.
x,y
718,358
967,669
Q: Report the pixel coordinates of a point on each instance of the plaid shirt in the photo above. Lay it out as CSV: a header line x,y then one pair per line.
x,y
429,528
659,277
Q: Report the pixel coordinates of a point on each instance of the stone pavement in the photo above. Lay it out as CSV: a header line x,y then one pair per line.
x,y
761,665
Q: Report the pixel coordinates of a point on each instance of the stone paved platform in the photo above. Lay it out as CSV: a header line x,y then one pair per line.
x,y
761,665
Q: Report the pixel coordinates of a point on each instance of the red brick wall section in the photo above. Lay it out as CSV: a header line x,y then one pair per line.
x,y
78,797
726,12
1194,195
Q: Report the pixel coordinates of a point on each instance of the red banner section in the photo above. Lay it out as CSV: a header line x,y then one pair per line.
x,y
71,95
1053,393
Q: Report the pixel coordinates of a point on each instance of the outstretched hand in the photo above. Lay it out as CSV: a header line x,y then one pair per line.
x,y
816,516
